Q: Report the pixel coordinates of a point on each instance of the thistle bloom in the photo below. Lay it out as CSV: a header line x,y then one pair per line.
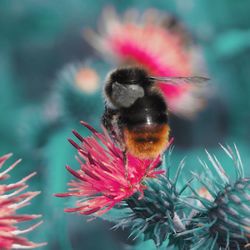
x,y
148,43
11,199
103,180
169,210
77,87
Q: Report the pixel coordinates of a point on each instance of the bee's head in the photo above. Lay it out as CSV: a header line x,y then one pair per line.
x,y
131,75
125,85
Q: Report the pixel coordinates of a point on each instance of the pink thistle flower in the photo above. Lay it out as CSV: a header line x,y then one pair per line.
x,y
148,43
12,198
102,180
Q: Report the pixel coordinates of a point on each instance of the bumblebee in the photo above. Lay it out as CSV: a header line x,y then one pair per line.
x,y
136,112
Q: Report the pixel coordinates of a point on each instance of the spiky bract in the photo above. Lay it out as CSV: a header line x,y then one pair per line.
x,y
222,220
157,214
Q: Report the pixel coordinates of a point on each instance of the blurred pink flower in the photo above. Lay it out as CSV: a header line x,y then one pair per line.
x,y
102,180
11,199
149,43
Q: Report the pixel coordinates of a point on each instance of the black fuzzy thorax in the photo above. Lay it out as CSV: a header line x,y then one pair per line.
x,y
148,110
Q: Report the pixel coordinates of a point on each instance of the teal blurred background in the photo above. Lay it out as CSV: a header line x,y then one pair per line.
x,y
39,39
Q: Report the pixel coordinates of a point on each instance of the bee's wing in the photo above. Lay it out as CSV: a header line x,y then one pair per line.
x,y
196,80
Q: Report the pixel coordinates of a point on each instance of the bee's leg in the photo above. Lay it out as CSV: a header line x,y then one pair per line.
x,y
109,120
122,146
125,162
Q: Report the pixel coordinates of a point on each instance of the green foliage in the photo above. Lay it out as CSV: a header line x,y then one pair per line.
x,y
55,179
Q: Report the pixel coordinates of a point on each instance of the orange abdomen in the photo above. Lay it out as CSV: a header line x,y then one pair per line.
x,y
147,141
